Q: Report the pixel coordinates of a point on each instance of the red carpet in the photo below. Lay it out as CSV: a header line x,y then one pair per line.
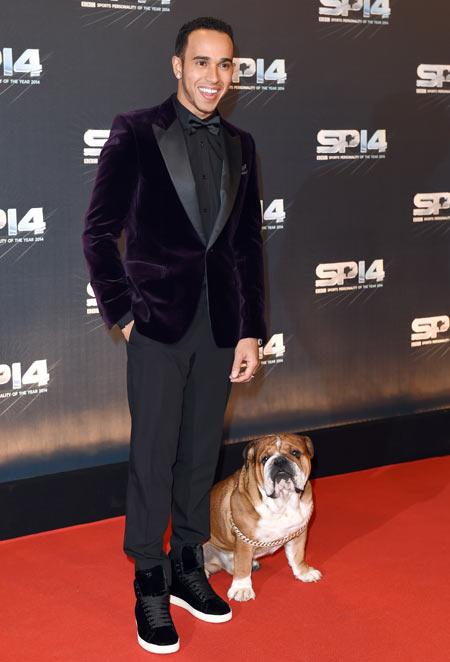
x,y
380,537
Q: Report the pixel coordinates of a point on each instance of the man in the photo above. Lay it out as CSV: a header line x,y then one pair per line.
x,y
189,297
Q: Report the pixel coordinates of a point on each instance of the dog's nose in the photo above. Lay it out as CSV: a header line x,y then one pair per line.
x,y
280,462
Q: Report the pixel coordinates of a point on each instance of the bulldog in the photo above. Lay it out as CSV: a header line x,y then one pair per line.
x,y
265,505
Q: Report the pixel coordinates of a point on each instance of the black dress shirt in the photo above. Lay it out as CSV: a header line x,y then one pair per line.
x,y
205,151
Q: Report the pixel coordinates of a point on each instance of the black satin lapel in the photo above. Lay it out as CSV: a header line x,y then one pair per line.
x,y
231,177
174,151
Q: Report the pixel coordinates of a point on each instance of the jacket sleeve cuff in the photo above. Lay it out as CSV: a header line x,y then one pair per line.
x,y
125,319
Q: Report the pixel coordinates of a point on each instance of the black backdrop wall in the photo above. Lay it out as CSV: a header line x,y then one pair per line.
x,y
349,104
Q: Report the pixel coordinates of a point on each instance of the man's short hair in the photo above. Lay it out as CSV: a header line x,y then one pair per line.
x,y
201,23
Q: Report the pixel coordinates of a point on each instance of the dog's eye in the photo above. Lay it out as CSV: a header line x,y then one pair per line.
x,y
296,453
265,458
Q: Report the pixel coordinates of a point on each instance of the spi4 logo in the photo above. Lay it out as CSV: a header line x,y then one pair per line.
x,y
428,207
343,141
334,276
432,78
27,63
274,215
94,140
425,330
31,223
14,377
370,8
246,67
273,351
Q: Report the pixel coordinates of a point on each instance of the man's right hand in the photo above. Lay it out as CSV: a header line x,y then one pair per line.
x,y
127,330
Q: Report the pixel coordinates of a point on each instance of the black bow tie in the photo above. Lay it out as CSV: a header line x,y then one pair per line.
x,y
212,124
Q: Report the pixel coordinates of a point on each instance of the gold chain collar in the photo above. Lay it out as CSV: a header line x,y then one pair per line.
x,y
270,543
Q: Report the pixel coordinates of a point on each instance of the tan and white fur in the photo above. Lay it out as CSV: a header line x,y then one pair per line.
x,y
269,498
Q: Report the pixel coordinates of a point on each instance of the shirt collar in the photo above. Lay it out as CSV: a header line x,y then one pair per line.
x,y
184,114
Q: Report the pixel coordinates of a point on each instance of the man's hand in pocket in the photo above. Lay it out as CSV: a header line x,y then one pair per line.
x,y
127,330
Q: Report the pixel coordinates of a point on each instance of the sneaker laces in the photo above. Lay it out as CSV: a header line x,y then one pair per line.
x,y
197,582
156,610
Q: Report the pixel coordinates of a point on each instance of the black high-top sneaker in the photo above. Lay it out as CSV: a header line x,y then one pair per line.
x,y
155,629
190,588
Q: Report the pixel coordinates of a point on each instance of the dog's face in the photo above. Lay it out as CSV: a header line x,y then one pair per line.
x,y
281,463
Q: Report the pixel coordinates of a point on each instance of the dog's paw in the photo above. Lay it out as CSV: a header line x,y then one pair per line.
x,y
241,594
241,590
308,574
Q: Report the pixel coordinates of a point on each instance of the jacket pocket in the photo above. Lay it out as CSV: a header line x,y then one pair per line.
x,y
141,270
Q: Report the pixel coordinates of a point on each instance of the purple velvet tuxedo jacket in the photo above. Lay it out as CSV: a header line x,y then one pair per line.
x,y
145,184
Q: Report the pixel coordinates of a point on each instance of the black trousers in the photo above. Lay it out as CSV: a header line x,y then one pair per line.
x,y
177,394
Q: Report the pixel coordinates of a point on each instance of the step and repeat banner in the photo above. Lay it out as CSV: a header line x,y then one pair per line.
x,y
349,104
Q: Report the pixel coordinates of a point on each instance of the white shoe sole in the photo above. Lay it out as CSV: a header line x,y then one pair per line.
x,y
161,650
209,618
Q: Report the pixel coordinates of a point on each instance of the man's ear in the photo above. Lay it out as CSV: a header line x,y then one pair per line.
x,y
249,453
309,445
177,66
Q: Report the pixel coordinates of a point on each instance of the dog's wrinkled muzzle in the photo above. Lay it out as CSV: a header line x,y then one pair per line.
x,y
281,468
283,477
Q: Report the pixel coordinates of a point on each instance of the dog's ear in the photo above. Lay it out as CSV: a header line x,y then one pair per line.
x,y
309,445
249,453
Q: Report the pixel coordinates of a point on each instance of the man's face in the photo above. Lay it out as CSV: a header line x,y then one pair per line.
x,y
206,71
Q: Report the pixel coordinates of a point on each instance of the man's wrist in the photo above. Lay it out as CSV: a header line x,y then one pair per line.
x,y
258,340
